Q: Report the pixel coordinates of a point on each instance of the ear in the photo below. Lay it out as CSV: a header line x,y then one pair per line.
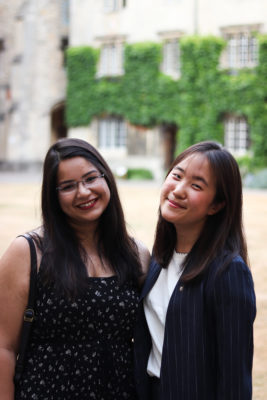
x,y
216,207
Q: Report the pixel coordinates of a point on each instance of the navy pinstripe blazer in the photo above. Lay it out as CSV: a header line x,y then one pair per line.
x,y
208,341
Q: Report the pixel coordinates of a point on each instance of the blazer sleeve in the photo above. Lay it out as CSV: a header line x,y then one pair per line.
x,y
234,309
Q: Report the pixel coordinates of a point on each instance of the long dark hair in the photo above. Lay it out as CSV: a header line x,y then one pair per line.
x,y
62,260
222,235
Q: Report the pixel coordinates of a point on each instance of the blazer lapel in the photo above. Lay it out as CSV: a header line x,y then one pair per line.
x,y
152,276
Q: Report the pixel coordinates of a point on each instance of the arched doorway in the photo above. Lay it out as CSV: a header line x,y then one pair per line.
x,y
58,126
168,132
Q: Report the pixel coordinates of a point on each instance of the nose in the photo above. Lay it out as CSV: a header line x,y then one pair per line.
x,y
81,189
180,190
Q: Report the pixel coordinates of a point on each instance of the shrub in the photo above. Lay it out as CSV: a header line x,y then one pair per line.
x,y
245,164
139,173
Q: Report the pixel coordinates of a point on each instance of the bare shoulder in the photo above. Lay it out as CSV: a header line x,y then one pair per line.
x,y
15,263
17,250
14,288
144,255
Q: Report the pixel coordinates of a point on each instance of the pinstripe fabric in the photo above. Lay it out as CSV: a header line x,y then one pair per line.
x,y
208,342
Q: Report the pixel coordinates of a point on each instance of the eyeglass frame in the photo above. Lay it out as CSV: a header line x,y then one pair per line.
x,y
85,184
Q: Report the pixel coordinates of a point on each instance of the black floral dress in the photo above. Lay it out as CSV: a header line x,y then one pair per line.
x,y
82,349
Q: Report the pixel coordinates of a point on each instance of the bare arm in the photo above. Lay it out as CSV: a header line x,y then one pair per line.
x,y
14,287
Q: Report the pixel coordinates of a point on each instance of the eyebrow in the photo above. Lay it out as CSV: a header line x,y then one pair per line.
x,y
195,177
83,176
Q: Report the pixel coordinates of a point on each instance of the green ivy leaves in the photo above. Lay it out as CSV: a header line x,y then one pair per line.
x,y
196,103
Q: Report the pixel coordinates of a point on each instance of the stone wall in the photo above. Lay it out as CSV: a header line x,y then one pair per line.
x,y
35,79
147,20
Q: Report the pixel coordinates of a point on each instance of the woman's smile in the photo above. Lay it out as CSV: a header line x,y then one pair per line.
x,y
187,195
175,204
87,205
84,204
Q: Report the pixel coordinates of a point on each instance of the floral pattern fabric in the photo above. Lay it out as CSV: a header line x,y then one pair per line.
x,y
81,349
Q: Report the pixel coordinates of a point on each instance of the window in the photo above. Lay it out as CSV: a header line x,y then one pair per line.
x,y
242,48
111,59
171,58
63,47
112,133
242,51
65,17
114,5
236,134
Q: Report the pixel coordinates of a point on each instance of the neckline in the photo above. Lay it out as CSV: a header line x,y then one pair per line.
x,y
102,277
180,254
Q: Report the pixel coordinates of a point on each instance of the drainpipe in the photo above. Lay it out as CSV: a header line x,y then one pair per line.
x,y
195,16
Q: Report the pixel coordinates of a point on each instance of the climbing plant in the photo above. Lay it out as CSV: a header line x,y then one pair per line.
x,y
196,103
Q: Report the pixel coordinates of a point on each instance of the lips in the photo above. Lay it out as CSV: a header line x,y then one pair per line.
x,y
174,204
87,205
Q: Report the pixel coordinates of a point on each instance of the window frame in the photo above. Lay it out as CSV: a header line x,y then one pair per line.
x,y
242,47
171,53
236,134
112,133
111,58
171,59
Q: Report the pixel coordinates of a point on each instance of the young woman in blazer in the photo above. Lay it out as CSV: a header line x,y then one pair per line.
x,y
194,337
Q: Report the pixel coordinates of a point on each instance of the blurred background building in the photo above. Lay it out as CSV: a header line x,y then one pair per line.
x,y
35,33
33,36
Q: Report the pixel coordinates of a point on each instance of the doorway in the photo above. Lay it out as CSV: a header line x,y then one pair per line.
x,y
168,132
58,126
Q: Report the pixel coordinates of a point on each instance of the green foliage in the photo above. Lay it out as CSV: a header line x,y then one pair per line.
x,y
201,91
81,107
139,173
245,164
140,83
196,103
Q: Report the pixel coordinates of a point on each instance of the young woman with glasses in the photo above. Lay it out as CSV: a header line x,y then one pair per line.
x,y
89,271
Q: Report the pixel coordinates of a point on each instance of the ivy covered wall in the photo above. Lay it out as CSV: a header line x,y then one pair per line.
x,y
196,103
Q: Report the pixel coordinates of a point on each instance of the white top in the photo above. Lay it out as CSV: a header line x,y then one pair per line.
x,y
155,307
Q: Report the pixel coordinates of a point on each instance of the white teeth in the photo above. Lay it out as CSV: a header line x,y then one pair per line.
x,y
87,204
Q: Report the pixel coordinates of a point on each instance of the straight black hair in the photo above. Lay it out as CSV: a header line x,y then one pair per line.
x,y
63,256
222,235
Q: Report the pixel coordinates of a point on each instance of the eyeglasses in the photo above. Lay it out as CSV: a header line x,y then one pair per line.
x,y
70,187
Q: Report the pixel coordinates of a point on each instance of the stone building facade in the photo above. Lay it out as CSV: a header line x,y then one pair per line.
x,y
109,24
33,34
